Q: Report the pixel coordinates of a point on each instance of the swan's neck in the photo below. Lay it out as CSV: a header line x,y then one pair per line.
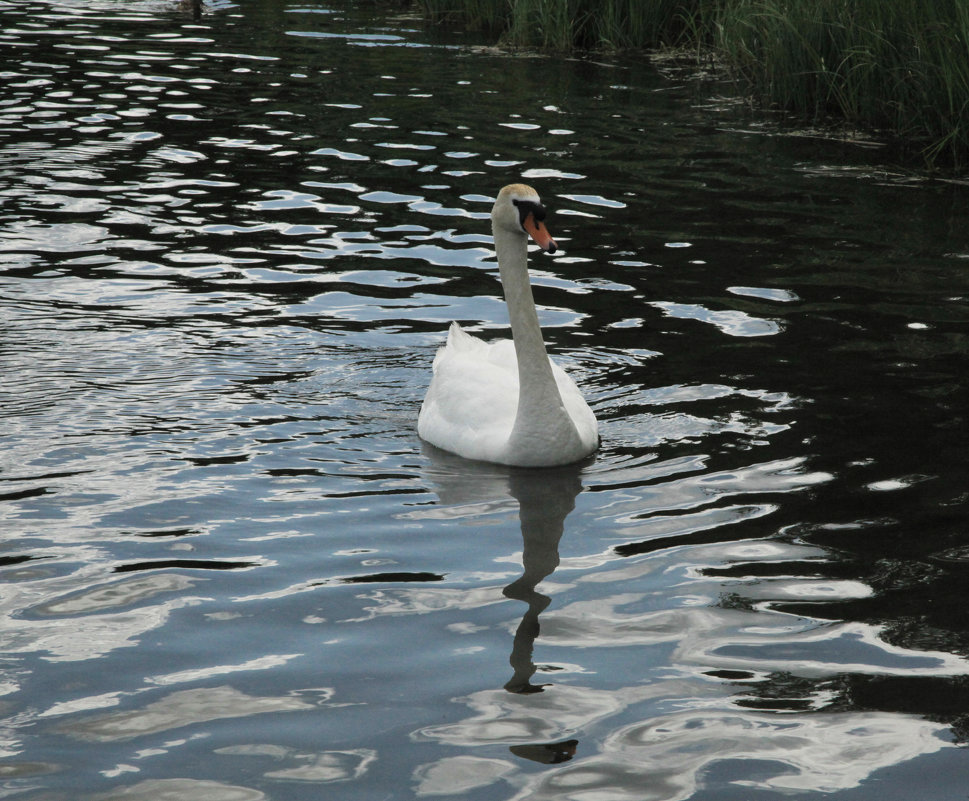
x,y
541,413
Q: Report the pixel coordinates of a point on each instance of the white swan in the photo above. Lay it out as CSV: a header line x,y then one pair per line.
x,y
506,401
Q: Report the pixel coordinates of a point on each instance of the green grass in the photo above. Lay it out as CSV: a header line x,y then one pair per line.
x,y
572,24
900,67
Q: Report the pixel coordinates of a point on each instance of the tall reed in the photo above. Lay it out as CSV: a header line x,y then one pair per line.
x,y
569,24
899,66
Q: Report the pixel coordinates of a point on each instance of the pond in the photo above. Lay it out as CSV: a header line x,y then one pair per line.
x,y
232,242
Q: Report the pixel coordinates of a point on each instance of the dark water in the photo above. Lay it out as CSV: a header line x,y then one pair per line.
x,y
230,247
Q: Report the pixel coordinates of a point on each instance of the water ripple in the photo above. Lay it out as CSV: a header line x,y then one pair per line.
x,y
232,240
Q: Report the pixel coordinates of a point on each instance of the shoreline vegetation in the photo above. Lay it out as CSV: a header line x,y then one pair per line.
x,y
896,67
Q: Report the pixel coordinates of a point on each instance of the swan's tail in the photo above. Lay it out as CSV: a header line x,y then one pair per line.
x,y
459,344
460,339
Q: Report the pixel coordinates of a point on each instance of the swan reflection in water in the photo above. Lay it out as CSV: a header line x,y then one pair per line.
x,y
545,498
663,749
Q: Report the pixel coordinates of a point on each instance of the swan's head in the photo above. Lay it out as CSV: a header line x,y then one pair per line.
x,y
519,209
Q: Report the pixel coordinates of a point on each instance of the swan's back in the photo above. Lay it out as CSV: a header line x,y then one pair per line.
x,y
473,397
472,403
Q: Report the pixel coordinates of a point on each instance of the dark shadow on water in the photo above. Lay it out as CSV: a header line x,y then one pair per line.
x,y
548,754
184,564
381,578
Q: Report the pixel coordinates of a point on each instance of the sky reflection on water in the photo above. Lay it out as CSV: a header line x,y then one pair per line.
x,y
229,247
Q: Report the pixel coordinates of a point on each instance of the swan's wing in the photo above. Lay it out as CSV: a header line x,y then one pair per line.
x,y
581,415
472,400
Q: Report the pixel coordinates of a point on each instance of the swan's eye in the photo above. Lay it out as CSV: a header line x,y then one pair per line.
x,y
526,207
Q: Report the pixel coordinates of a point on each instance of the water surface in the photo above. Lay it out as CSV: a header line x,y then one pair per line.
x,y
231,244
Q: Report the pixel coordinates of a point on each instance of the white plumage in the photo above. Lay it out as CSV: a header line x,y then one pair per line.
x,y
506,401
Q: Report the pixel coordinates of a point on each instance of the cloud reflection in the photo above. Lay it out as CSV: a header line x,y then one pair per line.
x,y
508,718
460,775
89,636
330,766
180,709
665,758
182,789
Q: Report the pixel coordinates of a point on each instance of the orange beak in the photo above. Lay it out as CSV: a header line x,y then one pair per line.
x,y
538,232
